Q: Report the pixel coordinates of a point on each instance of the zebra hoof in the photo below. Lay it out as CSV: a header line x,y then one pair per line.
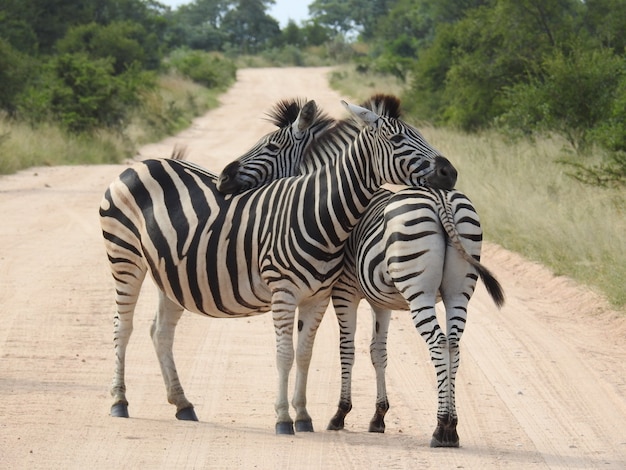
x,y
187,414
284,428
445,434
336,423
304,426
119,410
377,426
437,443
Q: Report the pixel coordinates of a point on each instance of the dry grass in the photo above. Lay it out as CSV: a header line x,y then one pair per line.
x,y
360,86
528,204
166,110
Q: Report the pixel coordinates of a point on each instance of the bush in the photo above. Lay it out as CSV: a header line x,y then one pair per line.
x,y
572,95
125,42
14,71
209,69
83,95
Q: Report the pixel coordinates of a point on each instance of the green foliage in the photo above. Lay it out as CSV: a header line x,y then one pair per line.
x,y
573,95
209,69
609,174
15,69
124,41
83,94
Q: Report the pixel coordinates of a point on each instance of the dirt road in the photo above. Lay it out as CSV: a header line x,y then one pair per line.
x,y
542,383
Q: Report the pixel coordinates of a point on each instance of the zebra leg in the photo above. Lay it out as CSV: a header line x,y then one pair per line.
x,y
445,434
346,317
128,280
283,315
425,321
309,318
162,333
378,353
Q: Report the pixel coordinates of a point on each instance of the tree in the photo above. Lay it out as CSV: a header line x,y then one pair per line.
x,y
249,26
573,95
124,41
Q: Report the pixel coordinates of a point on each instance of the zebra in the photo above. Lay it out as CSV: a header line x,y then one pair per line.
x,y
398,258
230,256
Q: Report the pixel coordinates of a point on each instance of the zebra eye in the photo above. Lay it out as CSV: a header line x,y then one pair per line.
x,y
396,139
272,148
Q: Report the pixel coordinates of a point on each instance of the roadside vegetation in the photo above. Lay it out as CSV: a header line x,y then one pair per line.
x,y
526,97
527,195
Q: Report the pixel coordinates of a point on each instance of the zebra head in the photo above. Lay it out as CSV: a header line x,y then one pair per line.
x,y
414,162
278,153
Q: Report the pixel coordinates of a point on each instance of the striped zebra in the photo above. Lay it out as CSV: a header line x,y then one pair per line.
x,y
408,247
240,255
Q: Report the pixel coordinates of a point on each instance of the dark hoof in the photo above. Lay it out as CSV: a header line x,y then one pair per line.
x,y
304,426
284,428
336,423
377,425
437,443
187,414
119,410
445,434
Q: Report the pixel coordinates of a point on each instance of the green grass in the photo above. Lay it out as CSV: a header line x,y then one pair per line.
x,y
165,111
528,204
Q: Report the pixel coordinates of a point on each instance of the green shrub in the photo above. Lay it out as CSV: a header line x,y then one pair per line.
x,y
15,69
125,42
82,94
209,69
573,95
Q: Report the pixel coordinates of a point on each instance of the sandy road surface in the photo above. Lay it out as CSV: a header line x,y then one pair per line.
x,y
542,383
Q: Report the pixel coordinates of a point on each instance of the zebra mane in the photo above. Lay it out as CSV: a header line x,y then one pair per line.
x,y
285,112
381,104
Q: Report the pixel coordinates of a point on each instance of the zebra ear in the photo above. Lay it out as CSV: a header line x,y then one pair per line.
x,y
363,115
305,118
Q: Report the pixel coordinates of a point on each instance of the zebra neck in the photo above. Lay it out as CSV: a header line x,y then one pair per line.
x,y
339,193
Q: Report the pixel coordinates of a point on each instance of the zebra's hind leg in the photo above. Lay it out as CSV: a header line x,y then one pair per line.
x,y
346,312
128,278
162,333
378,353
445,434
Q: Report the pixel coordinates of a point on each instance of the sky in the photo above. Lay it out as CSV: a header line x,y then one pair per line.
x,y
282,10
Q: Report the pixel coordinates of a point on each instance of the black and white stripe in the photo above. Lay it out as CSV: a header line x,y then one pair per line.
x,y
234,256
408,247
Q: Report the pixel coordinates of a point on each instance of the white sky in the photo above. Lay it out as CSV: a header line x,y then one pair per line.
x,y
282,10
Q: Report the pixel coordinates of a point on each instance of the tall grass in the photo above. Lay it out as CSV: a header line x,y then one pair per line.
x,y
164,111
528,204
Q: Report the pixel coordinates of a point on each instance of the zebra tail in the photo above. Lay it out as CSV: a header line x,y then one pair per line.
x,y
491,283
447,221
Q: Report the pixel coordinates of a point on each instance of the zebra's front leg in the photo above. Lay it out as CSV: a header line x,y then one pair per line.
x,y
346,314
309,318
162,333
378,354
283,315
